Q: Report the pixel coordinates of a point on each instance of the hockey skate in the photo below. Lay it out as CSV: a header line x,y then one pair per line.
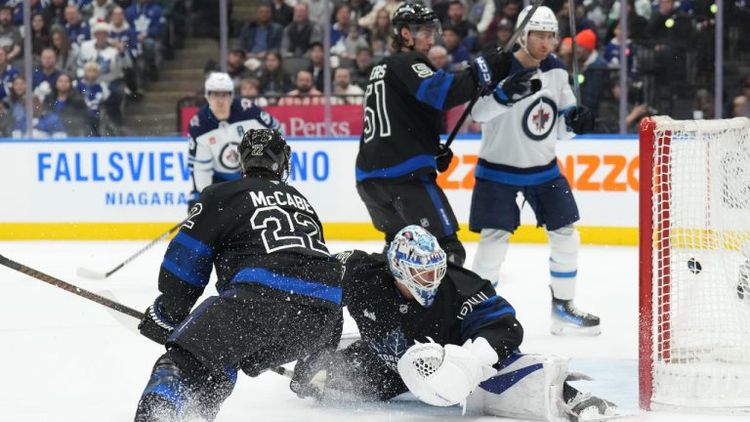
x,y
580,407
568,320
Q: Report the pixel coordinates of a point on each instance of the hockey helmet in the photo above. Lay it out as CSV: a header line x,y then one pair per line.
x,y
543,19
218,82
413,16
264,151
418,262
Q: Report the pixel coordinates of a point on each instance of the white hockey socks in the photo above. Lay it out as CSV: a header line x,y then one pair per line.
x,y
563,261
493,246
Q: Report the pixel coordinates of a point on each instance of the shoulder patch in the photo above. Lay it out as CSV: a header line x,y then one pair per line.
x,y
265,118
195,121
422,70
246,103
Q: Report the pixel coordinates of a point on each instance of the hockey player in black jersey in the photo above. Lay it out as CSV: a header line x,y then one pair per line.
x,y
279,289
399,150
441,332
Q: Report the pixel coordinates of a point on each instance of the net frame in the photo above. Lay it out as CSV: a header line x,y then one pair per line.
x,y
718,368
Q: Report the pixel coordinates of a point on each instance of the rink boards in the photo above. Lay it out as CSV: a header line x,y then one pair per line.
x,y
136,188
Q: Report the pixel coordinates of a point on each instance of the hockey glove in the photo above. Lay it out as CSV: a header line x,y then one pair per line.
x,y
156,325
579,119
443,158
491,68
516,87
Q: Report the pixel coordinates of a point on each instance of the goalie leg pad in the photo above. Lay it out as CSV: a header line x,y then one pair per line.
x,y
493,246
526,387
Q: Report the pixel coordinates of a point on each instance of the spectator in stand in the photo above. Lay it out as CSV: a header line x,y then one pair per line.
x,y
304,93
565,53
459,54
16,99
68,104
207,13
273,81
250,89
76,29
97,10
362,67
346,47
317,55
46,124
67,54
340,26
54,13
94,95
746,85
389,6
281,12
7,74
300,33
111,64
125,39
439,58
36,7
10,38
7,122
317,10
145,16
381,31
236,67
612,50
637,23
45,76
261,36
595,81
582,23
480,13
40,35
360,9
508,11
740,106
466,30
345,92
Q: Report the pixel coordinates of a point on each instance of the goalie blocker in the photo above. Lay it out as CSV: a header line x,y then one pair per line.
x,y
441,332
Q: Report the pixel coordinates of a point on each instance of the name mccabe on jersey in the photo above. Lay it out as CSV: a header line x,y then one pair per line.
x,y
280,198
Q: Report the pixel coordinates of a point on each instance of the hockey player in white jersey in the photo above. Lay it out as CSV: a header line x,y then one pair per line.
x,y
517,154
216,131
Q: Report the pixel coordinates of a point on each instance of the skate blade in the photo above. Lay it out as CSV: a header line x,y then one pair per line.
x,y
562,329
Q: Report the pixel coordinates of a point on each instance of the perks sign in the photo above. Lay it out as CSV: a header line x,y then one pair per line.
x,y
347,120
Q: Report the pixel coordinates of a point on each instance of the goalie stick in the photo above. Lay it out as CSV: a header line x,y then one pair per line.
x,y
509,45
98,275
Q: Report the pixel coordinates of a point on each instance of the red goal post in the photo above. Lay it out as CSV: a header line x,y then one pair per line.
x,y
694,216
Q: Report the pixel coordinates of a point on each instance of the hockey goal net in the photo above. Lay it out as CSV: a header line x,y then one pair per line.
x,y
695,264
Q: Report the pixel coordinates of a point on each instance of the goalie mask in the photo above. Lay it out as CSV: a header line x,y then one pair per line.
x,y
417,262
264,152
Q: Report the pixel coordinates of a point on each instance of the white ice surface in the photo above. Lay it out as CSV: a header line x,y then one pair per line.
x,y
63,358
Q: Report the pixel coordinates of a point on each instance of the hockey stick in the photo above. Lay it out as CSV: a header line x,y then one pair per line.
x,y
98,275
69,287
574,61
509,45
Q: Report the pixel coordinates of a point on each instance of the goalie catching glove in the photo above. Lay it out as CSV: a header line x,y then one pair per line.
x,y
445,376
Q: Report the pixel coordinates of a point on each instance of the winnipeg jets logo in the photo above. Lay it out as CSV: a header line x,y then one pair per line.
x,y
539,118
229,156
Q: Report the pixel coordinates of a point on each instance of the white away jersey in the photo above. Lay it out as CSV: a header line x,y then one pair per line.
x,y
523,135
213,144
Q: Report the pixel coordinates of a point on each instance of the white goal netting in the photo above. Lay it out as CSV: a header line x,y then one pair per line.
x,y
700,288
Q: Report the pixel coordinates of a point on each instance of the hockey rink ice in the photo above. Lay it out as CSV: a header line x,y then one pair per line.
x,y
64,358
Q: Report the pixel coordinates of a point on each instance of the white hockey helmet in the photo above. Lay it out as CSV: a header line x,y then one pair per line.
x,y
543,19
417,262
218,82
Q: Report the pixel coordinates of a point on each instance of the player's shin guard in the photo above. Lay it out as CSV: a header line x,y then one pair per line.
x,y
563,267
528,387
493,246
165,396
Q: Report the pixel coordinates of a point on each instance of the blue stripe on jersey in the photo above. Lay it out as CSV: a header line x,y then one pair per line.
x,y
406,167
561,274
433,90
189,260
432,191
220,176
482,172
499,383
289,284
193,160
489,310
